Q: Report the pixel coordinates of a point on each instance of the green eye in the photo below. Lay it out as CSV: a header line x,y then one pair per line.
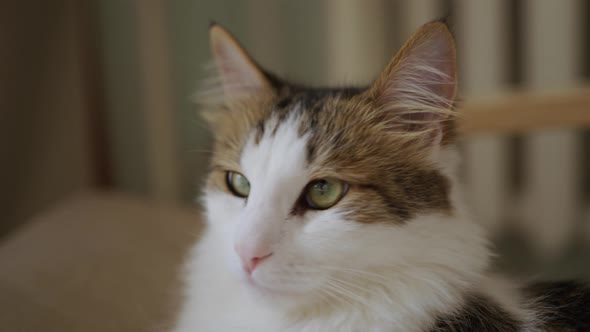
x,y
325,193
238,184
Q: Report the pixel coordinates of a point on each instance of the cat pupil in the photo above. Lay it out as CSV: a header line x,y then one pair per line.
x,y
322,187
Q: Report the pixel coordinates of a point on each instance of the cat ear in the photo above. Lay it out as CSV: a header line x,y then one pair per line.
x,y
240,76
416,91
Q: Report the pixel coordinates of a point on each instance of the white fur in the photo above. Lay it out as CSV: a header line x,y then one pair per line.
x,y
327,273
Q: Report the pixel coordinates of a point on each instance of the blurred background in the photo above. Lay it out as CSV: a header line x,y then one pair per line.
x,y
96,95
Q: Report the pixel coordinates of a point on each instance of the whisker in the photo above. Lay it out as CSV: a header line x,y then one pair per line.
x,y
352,270
339,295
350,284
345,291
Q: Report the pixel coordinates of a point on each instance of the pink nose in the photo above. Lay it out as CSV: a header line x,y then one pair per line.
x,y
251,257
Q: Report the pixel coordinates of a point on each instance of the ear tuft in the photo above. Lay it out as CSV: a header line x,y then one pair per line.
x,y
417,89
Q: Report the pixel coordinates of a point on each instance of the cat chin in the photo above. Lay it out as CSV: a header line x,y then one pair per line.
x,y
276,298
270,291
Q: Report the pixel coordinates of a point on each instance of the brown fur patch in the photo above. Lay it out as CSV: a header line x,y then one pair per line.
x,y
232,125
388,172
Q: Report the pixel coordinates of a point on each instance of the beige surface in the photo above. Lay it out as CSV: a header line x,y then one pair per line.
x,y
97,262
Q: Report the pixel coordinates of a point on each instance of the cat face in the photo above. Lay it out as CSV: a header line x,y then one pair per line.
x,y
319,195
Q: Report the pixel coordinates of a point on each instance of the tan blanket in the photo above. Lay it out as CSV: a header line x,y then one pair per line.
x,y
97,262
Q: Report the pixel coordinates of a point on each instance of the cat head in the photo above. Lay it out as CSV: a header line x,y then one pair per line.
x,y
324,194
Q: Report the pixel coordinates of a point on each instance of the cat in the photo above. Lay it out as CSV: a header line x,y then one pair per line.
x,y
339,209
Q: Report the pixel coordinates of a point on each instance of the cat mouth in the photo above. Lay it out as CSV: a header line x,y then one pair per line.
x,y
265,289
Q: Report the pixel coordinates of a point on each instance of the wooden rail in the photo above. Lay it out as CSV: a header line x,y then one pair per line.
x,y
527,111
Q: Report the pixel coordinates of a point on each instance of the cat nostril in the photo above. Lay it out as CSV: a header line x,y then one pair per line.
x,y
251,265
255,260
